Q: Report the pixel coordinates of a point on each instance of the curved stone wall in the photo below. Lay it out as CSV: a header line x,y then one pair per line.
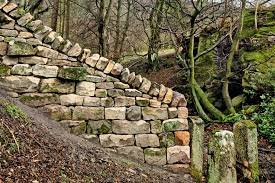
x,y
90,95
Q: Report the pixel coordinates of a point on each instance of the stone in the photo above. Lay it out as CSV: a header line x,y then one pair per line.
x,y
131,78
246,143
222,158
176,124
66,46
133,93
155,103
24,20
155,156
143,102
178,168
182,138
105,85
150,113
79,128
4,70
147,140
111,79
178,100
75,51
20,49
145,86
125,75
86,53
58,42
45,71
178,154
39,99
101,93
130,127
197,144
100,127
107,102
9,60
34,25
117,69
9,7
88,113
92,101
172,112
120,85
25,35
115,113
168,96
8,24
182,112
20,84
3,3
21,69
124,101
50,37
42,32
85,88
3,48
115,92
162,92
102,63
109,67
156,126
92,61
132,152
58,112
95,79
71,100
34,42
154,90
46,52
56,86
167,139
56,62
110,140
137,82
33,60
73,73
91,138
133,113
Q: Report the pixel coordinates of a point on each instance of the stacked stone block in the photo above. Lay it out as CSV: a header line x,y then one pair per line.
x,y
91,95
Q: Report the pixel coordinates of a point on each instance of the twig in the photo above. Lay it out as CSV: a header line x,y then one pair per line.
x,y
13,136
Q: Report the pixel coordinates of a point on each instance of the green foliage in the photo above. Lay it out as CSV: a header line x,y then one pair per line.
x,y
13,111
265,117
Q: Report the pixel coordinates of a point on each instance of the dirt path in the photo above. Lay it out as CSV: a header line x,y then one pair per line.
x,y
49,154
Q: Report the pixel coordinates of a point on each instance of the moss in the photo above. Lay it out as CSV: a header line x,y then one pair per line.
x,y
167,139
21,48
142,103
104,129
196,174
4,70
78,130
171,126
254,168
73,73
153,152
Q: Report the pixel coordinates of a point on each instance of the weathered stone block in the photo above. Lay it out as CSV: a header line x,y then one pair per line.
x,y
156,126
111,79
154,90
168,96
46,52
3,48
9,7
178,100
130,127
132,152
39,99
133,113
124,101
50,37
120,85
20,49
117,69
21,69
178,168
105,85
92,101
8,33
88,113
20,84
150,113
66,46
176,124
4,70
92,61
45,71
42,32
25,35
86,53
58,42
25,19
73,73
34,25
145,86
115,113
147,140
172,112
85,88
125,75
178,154
59,112
162,92
102,63
155,156
137,81
109,67
33,60
79,128
3,3
155,103
56,86
131,78
182,138
116,140
182,112
100,127
167,139
101,93
75,51
143,102
115,92
71,100
107,102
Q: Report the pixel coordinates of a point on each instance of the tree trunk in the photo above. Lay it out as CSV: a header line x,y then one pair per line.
x,y
118,23
67,29
126,27
229,63
256,14
55,9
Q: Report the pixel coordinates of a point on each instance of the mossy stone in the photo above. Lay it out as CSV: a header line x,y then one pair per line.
x,y
80,129
167,139
4,70
21,49
73,73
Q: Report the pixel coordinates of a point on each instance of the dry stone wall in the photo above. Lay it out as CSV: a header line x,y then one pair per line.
x,y
90,95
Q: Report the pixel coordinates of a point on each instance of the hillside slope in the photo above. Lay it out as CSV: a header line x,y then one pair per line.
x,y
34,148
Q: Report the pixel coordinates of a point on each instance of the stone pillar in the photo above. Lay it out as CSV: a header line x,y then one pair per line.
x,y
245,134
222,158
197,136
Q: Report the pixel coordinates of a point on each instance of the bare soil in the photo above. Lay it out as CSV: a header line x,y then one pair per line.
x,y
47,153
